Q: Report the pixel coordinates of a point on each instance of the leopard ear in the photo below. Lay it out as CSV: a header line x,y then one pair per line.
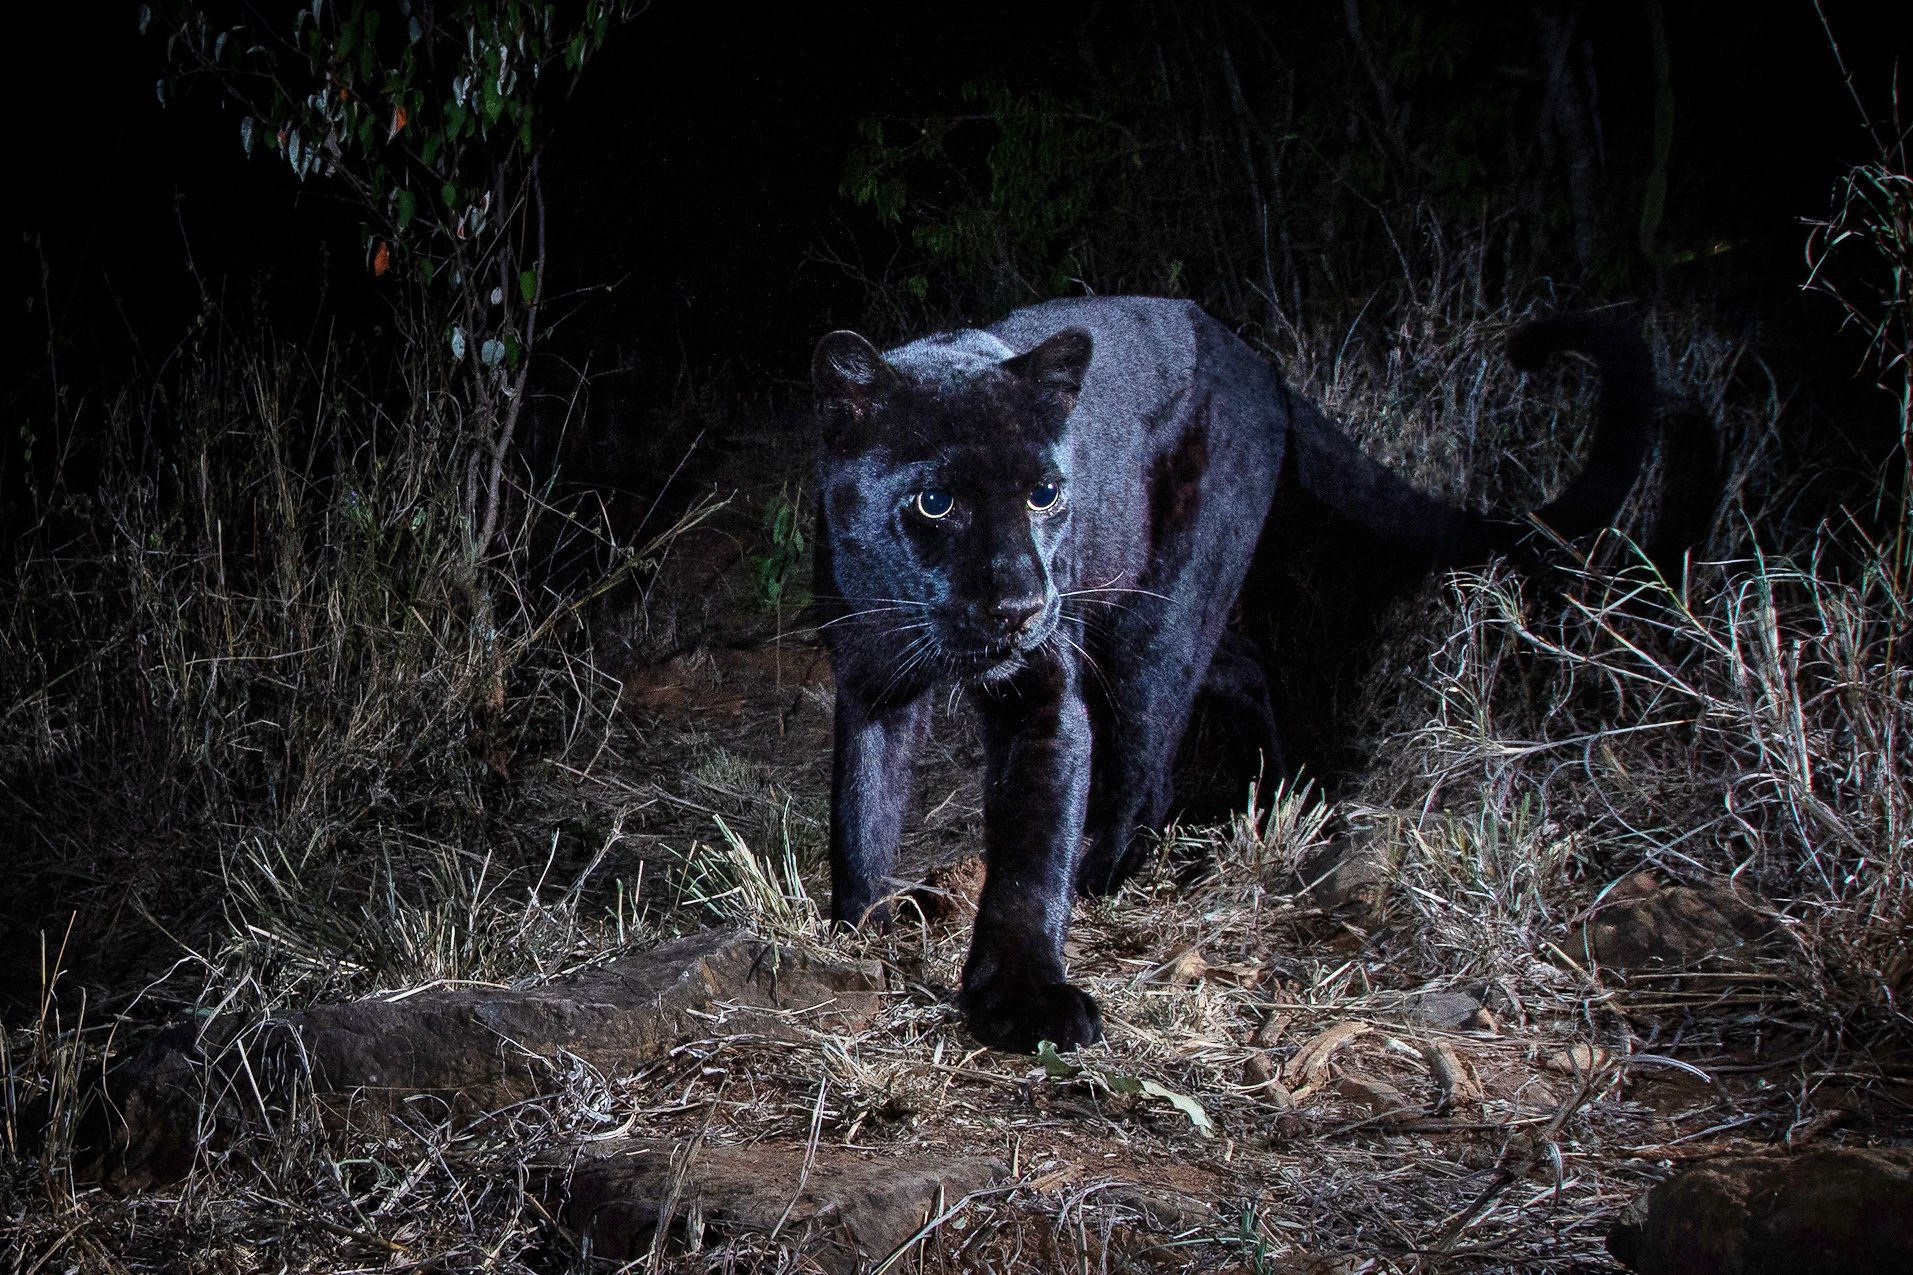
x,y
1058,364
850,377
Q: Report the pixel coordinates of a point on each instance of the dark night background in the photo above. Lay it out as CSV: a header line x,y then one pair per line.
x,y
697,173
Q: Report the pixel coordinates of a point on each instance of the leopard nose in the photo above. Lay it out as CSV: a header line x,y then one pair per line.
x,y
1015,616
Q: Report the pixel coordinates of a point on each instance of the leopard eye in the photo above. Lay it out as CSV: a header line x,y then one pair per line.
x,y
1043,496
934,503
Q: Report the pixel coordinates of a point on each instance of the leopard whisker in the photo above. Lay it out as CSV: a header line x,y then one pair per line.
x,y
853,615
1095,624
1147,593
862,598
1101,602
912,654
1088,659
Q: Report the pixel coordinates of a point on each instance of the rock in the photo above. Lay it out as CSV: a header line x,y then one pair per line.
x,y
1447,1010
1257,1069
1644,926
1576,1060
848,1212
1837,1210
465,1052
1371,1097
1185,970
1348,875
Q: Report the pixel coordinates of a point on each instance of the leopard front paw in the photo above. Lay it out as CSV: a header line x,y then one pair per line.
x,y
1015,1014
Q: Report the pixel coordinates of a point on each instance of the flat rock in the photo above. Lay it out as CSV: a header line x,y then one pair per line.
x,y
1644,926
1447,1009
461,1053
847,1211
1845,1210
1350,875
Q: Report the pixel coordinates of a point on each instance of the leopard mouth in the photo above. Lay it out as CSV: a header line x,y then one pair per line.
x,y
990,661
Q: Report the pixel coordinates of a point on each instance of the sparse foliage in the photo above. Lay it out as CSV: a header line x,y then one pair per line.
x,y
430,119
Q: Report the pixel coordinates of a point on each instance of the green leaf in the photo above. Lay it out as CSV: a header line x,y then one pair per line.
x,y
1058,1067
527,285
407,208
1133,1086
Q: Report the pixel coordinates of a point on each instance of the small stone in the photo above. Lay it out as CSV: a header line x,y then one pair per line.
x,y
1444,1009
1578,1059
1185,971
1373,1097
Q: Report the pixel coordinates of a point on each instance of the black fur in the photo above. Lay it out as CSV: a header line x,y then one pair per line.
x,y
1084,632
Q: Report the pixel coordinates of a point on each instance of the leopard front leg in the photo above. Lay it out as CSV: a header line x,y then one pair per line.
x,y
1036,743
873,774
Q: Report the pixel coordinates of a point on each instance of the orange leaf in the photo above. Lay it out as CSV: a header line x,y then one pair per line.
x,y
398,118
381,259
